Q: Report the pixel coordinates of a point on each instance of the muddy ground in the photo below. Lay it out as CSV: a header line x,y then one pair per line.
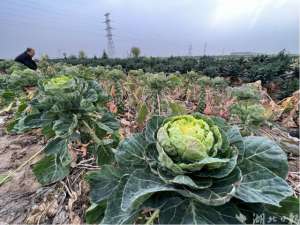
x,y
23,200
16,194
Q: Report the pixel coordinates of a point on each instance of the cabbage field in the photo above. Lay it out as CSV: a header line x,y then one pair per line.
x,y
150,141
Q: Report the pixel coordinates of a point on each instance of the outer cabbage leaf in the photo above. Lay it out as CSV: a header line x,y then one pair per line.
x,y
56,164
141,185
103,182
267,153
114,214
151,128
288,210
235,138
261,185
95,213
177,210
131,153
223,171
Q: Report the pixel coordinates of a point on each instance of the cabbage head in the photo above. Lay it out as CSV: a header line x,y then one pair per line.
x,y
192,143
59,83
186,138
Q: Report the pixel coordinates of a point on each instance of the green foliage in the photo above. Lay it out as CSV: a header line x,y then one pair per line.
x,y
204,81
142,113
219,82
202,99
245,92
266,68
116,74
104,55
12,86
192,76
136,73
15,66
82,55
22,78
247,107
249,114
6,64
286,87
174,80
211,71
176,108
156,82
152,172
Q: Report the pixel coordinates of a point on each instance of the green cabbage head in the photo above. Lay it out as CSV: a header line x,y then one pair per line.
x,y
186,138
189,143
59,83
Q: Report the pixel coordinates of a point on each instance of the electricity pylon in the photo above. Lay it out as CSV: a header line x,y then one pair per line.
x,y
190,50
110,42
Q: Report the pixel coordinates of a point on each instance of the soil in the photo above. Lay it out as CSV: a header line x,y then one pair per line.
x,y
23,200
17,192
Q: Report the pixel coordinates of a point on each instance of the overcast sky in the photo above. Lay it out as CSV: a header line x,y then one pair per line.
x,y
158,27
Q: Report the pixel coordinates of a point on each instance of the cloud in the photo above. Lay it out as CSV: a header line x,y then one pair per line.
x,y
230,12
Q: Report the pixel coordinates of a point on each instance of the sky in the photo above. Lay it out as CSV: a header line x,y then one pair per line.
x,y
157,27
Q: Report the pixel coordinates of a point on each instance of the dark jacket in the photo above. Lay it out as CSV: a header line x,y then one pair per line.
x,y
26,59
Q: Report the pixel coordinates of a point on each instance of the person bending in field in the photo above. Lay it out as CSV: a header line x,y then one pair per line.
x,y
26,58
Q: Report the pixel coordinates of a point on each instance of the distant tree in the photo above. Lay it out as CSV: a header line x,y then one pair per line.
x,y
104,55
95,57
135,52
72,57
81,54
65,55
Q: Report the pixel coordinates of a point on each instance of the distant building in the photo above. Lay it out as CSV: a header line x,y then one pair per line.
x,y
244,53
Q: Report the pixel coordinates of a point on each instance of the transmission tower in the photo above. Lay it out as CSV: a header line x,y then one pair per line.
x,y
110,42
190,50
204,48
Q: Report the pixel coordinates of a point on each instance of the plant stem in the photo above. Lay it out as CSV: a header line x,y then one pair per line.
x,y
158,103
11,173
154,215
92,133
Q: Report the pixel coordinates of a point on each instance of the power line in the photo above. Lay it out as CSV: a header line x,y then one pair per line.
x,y
110,42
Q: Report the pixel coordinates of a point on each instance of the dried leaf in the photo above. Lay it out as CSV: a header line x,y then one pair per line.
x,y
112,107
113,91
125,122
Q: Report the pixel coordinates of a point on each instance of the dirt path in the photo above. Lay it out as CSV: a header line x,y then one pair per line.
x,y
16,194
